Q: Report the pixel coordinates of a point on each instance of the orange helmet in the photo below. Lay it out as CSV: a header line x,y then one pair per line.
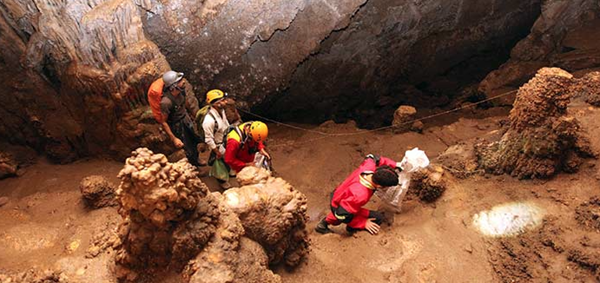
x,y
258,131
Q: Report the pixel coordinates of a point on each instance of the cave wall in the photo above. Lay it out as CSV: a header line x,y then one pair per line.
x,y
565,36
75,72
74,75
316,60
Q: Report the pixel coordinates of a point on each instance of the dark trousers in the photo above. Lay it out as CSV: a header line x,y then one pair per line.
x,y
184,130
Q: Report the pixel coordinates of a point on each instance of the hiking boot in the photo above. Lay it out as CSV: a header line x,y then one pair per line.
x,y
322,227
225,185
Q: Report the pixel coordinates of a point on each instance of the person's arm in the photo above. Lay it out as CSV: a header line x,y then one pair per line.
x,y
231,159
263,151
176,141
165,110
381,161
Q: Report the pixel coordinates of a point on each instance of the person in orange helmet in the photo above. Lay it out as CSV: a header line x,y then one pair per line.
x,y
243,142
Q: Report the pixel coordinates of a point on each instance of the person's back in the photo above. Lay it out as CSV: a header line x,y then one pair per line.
x,y
244,143
355,191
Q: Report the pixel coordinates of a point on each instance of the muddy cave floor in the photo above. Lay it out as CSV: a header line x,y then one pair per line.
x,y
46,225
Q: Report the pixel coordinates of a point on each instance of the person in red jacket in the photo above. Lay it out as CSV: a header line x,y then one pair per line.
x,y
244,142
350,196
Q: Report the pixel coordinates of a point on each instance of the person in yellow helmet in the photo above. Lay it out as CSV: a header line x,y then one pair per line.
x,y
214,125
244,142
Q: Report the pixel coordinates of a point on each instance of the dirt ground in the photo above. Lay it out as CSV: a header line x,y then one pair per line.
x,y
46,225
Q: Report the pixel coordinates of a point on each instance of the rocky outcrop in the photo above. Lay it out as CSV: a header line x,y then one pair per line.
x,y
541,138
565,36
97,192
76,74
8,166
172,221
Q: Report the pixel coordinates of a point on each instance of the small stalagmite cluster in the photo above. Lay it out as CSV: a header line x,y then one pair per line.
x,y
172,221
541,138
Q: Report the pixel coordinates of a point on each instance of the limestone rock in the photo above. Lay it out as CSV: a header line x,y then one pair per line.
x,y
8,166
429,184
97,192
588,87
460,159
403,117
251,175
273,213
417,126
540,139
171,220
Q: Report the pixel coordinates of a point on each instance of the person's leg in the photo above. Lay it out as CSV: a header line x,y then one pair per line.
x,y
190,145
323,225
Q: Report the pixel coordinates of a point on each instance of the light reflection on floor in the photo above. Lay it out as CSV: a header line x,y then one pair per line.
x,y
508,219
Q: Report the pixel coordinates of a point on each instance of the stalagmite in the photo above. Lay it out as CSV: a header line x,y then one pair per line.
x,y
541,138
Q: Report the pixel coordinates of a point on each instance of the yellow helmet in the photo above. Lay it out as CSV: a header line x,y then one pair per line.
x,y
258,131
214,95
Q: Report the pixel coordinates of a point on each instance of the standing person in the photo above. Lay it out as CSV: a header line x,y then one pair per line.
x,y
175,119
350,196
244,142
215,123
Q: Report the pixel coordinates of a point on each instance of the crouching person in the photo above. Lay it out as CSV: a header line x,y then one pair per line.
x,y
350,196
243,142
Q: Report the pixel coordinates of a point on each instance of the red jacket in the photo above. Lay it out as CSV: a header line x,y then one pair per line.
x,y
237,157
351,194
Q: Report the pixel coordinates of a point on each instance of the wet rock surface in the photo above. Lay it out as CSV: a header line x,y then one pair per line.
x,y
541,138
97,192
273,213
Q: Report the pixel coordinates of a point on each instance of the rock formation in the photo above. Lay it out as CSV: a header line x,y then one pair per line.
x,y
273,213
97,192
429,184
541,138
172,221
403,117
8,166
169,214
563,36
588,87
77,71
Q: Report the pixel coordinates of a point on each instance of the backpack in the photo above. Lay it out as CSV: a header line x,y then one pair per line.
x,y
235,128
154,97
200,115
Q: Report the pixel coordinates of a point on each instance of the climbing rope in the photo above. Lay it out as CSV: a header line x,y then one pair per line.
x,y
326,135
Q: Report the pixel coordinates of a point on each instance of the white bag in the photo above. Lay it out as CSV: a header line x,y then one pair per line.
x,y
261,161
413,161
